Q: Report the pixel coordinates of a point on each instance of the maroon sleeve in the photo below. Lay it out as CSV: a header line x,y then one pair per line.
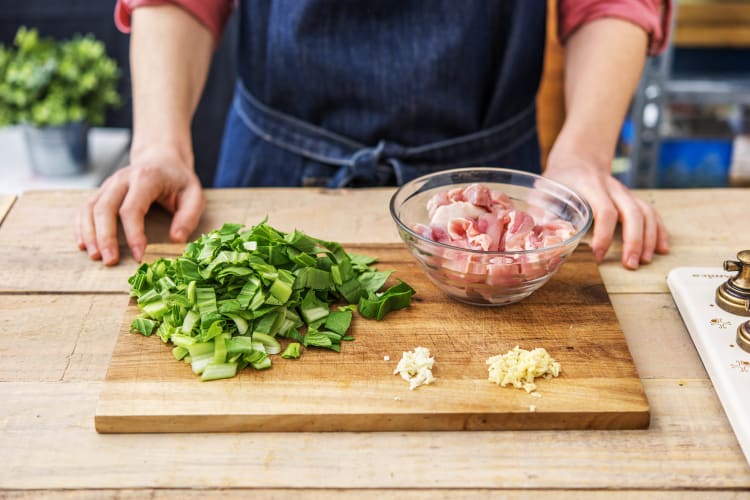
x,y
213,14
651,15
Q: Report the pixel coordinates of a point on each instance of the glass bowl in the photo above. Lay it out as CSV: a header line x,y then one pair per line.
x,y
505,270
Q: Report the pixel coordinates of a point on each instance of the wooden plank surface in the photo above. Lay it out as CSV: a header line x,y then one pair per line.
x,y
70,337
706,227
49,441
6,201
355,390
58,338
56,347
39,252
300,494
656,335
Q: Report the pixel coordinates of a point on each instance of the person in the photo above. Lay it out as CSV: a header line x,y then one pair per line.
x,y
333,93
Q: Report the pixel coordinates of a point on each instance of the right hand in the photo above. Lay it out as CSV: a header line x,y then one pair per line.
x,y
643,231
129,193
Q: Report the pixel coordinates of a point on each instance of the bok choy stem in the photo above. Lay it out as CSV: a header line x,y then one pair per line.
x,y
226,301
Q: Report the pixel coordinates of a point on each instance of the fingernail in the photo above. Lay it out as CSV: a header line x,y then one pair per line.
x,y
107,255
137,252
633,261
92,251
648,257
599,255
180,234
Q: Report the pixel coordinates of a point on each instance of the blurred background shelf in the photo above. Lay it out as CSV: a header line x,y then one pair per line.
x,y
712,23
690,117
707,90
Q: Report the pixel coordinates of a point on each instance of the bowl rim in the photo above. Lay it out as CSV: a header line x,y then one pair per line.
x,y
576,236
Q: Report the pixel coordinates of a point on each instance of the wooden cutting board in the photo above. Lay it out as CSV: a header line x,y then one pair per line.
x,y
146,390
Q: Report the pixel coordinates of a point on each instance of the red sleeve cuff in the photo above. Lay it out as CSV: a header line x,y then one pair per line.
x,y
651,15
213,14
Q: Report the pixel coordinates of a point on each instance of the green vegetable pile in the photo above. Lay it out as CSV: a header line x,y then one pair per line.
x,y
233,293
49,83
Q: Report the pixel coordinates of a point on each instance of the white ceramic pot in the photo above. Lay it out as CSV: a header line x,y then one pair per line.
x,y
58,151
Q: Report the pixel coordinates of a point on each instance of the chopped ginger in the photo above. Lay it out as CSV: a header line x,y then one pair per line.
x,y
520,367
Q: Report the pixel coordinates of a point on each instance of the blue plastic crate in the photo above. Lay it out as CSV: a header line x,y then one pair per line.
x,y
694,162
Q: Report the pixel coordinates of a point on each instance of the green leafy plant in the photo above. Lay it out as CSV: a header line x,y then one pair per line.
x,y
46,83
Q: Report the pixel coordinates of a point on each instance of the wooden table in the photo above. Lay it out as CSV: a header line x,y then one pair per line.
x,y
6,201
60,313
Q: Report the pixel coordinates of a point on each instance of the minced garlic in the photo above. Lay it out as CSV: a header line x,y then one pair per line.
x,y
520,367
416,367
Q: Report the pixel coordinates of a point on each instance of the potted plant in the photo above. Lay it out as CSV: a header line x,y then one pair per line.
x,y
56,90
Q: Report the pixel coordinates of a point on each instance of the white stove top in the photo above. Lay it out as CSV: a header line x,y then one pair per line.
x,y
714,333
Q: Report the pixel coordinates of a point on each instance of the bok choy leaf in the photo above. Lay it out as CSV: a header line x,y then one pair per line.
x,y
235,292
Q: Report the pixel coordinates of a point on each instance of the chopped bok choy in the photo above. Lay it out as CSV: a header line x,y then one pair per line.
x,y
225,303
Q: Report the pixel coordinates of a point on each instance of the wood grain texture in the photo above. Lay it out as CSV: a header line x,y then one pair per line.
x,y
346,493
58,338
706,227
48,440
39,252
6,202
355,390
659,342
70,337
55,350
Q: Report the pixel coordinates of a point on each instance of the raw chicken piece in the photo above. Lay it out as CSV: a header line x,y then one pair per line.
x,y
459,227
501,199
456,194
493,225
444,214
436,201
477,218
478,195
424,231
520,224
557,231
503,272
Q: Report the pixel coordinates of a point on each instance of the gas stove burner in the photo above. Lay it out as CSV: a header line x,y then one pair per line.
x,y
743,336
734,295
721,334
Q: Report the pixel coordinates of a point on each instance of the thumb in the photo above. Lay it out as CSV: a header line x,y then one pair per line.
x,y
190,204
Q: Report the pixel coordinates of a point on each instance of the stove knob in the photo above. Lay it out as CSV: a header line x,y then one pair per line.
x,y
743,336
734,295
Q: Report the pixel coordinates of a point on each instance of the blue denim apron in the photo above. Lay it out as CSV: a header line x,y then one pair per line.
x,y
333,93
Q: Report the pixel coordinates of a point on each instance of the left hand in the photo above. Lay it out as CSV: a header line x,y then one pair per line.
x,y
643,232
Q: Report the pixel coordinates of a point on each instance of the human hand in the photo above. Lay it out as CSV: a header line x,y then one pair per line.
x,y
129,193
643,232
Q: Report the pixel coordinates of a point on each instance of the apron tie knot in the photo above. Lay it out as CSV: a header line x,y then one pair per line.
x,y
373,166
